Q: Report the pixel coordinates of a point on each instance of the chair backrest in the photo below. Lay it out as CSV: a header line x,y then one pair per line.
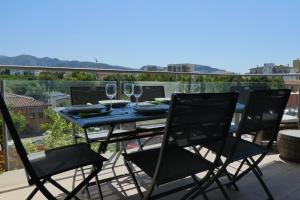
x,y
196,119
244,91
17,141
83,95
199,118
150,93
264,111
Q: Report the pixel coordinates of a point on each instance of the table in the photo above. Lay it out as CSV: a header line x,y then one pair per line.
x,y
288,144
117,116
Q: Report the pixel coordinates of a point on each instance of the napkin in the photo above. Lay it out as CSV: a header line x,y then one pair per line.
x,y
76,109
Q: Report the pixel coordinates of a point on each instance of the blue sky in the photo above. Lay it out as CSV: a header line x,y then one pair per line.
x,y
233,34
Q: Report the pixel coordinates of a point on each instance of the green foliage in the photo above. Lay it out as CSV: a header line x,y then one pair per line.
x,y
35,89
29,147
83,76
18,119
59,131
51,75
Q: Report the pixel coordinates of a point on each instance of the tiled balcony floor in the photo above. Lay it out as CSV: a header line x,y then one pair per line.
x,y
283,179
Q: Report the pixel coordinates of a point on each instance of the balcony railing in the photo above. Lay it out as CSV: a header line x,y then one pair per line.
x,y
30,99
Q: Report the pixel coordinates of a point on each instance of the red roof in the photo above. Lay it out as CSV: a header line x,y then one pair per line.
x,y
17,101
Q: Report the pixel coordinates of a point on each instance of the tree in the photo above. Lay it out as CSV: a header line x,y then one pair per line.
x,y
19,121
35,89
59,131
83,76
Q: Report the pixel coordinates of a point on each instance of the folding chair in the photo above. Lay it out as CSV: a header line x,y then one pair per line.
x,y
150,93
263,113
40,167
194,119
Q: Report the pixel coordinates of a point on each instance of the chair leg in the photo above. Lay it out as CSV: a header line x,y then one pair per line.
x,y
36,189
44,191
140,145
87,189
57,185
222,189
257,168
84,182
195,191
263,184
233,182
134,179
98,185
230,179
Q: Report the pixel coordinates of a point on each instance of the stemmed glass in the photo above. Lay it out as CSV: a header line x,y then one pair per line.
x,y
111,91
128,90
137,92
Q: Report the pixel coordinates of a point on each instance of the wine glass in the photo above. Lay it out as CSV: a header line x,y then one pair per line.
x,y
111,91
128,89
137,92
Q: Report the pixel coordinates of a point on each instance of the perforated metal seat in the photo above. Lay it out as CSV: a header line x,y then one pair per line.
x,y
179,163
55,161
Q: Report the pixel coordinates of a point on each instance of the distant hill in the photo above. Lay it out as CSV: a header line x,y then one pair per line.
x,y
208,69
28,60
198,68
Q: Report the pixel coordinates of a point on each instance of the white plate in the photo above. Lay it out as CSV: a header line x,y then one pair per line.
x,y
145,104
115,103
162,99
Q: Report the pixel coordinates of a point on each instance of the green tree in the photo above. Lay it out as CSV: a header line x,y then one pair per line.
x,y
59,131
83,76
35,89
19,121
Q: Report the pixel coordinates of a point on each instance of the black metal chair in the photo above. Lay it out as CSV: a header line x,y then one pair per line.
x,y
263,112
194,119
42,166
244,91
84,95
150,93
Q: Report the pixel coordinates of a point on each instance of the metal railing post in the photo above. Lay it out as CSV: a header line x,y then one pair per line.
x,y
4,131
189,83
119,90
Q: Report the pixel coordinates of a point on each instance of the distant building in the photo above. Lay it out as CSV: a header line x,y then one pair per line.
x,y
296,65
57,99
24,72
181,67
270,68
153,68
32,109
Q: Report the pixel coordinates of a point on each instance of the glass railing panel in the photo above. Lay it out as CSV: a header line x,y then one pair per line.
x,y
31,104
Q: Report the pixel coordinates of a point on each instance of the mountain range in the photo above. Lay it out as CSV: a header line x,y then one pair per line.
x,y
28,60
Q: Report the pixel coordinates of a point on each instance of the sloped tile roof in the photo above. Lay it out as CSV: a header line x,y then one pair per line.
x,y
17,101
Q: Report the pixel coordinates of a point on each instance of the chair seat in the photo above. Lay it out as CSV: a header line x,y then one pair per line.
x,y
178,163
59,160
243,150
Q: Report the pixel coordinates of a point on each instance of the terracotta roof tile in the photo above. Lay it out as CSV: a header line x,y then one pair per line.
x,y
18,101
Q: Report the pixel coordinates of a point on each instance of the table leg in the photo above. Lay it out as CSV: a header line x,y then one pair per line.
x,y
103,146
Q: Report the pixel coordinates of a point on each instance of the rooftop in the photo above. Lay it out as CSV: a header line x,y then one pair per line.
x,y
18,101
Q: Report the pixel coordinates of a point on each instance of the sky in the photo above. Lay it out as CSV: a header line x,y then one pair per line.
x,y
234,34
